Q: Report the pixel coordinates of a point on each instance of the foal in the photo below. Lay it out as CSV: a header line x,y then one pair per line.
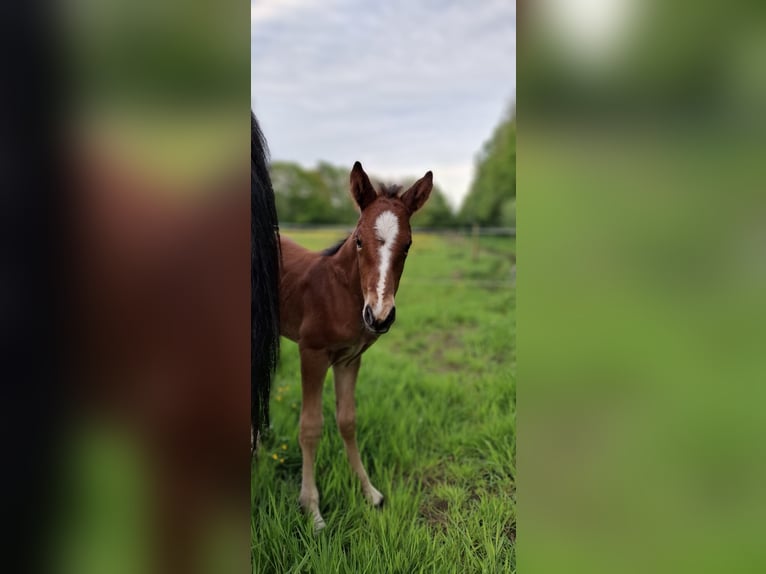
x,y
336,304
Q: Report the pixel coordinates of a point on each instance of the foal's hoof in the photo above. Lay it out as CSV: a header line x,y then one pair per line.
x,y
375,498
319,524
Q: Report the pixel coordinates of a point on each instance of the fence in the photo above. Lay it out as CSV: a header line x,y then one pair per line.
x,y
460,230
478,243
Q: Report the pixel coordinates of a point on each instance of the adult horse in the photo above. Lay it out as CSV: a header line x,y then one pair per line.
x,y
335,304
161,301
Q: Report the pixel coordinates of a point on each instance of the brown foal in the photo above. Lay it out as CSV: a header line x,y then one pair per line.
x,y
336,304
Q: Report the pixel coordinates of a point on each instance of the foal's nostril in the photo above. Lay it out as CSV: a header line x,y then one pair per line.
x,y
367,314
389,320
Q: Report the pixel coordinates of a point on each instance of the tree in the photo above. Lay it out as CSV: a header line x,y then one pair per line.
x,y
492,197
321,196
436,213
309,196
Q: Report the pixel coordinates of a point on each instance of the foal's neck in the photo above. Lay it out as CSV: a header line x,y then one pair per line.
x,y
346,261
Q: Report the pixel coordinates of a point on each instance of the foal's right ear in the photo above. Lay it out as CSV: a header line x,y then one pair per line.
x,y
361,188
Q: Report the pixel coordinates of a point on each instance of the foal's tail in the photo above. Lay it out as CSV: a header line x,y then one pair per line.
x,y
264,281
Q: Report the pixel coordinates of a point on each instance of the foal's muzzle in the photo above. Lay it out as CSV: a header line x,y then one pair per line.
x,y
375,325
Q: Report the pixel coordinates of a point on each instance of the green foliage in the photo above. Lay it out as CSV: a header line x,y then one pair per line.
x,y
312,195
321,196
436,214
492,198
436,404
139,53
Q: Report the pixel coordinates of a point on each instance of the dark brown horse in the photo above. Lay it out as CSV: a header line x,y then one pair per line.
x,y
167,344
336,304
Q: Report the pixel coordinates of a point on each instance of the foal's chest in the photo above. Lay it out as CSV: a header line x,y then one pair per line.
x,y
350,352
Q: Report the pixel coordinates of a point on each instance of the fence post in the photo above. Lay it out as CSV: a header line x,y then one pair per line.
x,y
475,234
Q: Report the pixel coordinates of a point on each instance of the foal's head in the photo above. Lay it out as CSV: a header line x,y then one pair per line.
x,y
383,237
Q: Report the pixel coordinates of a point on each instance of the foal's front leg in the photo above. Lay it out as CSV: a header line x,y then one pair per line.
x,y
314,365
345,414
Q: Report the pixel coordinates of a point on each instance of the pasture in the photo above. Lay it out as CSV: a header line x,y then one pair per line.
x,y
436,421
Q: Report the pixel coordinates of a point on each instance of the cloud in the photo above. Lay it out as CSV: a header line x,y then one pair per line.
x,y
402,86
263,10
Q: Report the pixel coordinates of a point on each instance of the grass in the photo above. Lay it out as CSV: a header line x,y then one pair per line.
x,y
436,427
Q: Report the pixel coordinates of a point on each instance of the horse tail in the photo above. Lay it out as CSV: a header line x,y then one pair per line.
x,y
264,281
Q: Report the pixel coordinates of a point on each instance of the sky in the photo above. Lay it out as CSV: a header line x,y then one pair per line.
x,y
404,86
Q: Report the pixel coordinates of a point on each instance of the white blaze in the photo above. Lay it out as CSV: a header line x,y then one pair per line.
x,y
386,230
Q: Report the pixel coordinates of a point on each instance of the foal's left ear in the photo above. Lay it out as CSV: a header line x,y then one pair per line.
x,y
417,195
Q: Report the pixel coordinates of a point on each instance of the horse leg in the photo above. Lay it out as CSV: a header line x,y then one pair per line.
x,y
314,365
345,415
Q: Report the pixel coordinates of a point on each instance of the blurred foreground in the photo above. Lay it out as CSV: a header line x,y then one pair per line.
x,y
642,312
132,287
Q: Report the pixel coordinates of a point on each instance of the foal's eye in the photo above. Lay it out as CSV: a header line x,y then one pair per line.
x,y
358,243
407,247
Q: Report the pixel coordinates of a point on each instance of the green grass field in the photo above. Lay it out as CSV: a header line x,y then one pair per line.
x,y
436,422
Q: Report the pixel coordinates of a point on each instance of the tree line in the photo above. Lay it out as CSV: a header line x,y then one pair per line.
x,y
320,195
491,199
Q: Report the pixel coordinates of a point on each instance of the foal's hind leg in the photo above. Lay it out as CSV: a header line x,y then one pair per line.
x,y
314,365
345,414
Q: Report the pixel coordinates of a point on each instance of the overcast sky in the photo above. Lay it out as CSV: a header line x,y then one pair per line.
x,y
404,86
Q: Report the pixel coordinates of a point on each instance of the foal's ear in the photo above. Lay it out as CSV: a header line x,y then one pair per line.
x,y
361,188
417,195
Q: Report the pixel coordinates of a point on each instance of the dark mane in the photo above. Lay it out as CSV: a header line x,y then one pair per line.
x,y
390,190
335,248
